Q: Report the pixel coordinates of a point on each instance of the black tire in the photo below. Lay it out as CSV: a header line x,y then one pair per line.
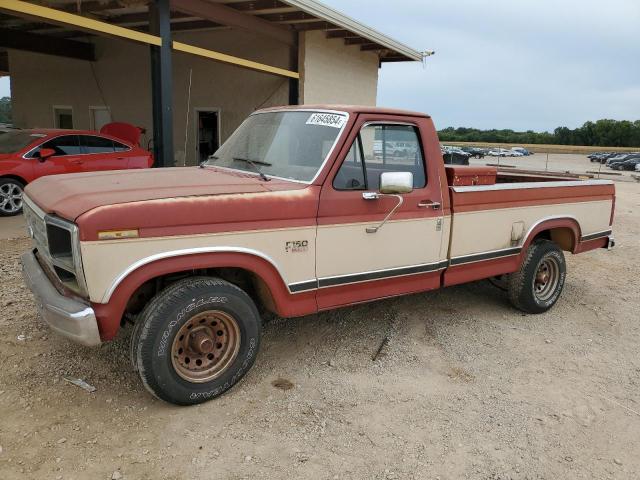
x,y
169,313
528,289
10,205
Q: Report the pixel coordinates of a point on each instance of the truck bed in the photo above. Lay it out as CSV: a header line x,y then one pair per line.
x,y
493,221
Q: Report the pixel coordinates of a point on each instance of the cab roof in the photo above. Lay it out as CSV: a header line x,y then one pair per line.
x,y
349,109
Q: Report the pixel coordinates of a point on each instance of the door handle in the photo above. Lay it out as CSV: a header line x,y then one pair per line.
x,y
429,203
77,162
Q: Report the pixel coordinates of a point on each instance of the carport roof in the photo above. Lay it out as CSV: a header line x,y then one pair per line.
x,y
272,16
357,29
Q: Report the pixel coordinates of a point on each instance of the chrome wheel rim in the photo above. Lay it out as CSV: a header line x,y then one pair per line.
x,y
205,346
10,198
546,279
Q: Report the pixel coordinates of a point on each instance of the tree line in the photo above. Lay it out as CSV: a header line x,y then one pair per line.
x,y
601,133
5,110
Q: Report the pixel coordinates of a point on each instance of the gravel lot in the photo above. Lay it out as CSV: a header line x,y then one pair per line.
x,y
466,387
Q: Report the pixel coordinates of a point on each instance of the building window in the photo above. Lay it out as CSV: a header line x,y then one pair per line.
x,y
62,116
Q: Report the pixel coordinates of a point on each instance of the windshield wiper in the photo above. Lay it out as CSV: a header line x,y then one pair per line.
x,y
254,164
204,163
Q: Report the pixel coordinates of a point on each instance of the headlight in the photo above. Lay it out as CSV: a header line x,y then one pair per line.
x,y
58,244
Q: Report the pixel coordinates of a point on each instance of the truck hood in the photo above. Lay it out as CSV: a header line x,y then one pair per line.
x,y
71,195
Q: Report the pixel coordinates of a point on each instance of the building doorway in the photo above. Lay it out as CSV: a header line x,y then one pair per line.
x,y
208,139
100,116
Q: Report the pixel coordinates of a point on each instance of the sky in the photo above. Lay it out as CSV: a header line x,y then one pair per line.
x,y
519,64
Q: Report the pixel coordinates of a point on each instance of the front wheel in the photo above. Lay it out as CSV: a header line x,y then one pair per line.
x,y
197,339
536,286
10,197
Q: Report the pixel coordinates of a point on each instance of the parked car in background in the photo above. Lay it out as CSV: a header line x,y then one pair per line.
x,y
5,127
475,152
521,150
455,158
26,155
629,164
500,152
454,155
620,158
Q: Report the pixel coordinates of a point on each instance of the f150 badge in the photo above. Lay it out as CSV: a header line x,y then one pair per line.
x,y
296,246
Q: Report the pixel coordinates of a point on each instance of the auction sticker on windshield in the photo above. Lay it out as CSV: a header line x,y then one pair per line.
x,y
327,120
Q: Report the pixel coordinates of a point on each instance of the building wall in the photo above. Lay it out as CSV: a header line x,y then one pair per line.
x,y
335,73
121,80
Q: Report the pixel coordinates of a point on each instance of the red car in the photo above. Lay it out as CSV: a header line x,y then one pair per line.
x,y
26,155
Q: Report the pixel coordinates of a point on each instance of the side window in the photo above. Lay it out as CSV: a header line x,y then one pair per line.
x,y
120,147
382,148
351,173
94,144
392,148
64,145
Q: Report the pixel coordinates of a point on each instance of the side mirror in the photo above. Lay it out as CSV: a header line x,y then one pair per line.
x,y
46,153
394,183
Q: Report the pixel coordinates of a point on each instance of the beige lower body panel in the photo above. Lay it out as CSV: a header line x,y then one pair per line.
x,y
349,249
107,262
489,230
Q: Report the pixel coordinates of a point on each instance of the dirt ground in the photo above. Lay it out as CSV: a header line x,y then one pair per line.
x,y
466,387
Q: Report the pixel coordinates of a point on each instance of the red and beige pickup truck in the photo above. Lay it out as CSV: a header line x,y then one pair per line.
x,y
302,209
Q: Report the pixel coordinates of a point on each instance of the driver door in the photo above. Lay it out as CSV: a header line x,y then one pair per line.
x,y
67,159
402,256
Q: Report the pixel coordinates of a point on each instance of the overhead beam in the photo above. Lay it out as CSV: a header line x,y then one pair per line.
x,y
340,34
98,27
371,46
194,25
32,42
90,6
356,41
262,6
322,25
394,59
288,17
228,16
142,17
51,15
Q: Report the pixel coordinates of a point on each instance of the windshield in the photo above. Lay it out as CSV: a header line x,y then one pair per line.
x,y
12,142
286,144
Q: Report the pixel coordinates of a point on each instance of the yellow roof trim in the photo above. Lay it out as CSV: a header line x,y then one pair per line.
x,y
241,62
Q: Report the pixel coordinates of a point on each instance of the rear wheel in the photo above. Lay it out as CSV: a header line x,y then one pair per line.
x,y
196,339
11,192
536,286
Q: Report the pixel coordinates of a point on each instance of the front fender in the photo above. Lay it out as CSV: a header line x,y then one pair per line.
x,y
109,312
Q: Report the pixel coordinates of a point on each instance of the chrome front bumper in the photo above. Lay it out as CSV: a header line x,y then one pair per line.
x,y
66,316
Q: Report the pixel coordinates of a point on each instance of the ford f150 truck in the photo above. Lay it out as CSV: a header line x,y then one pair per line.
x,y
302,209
